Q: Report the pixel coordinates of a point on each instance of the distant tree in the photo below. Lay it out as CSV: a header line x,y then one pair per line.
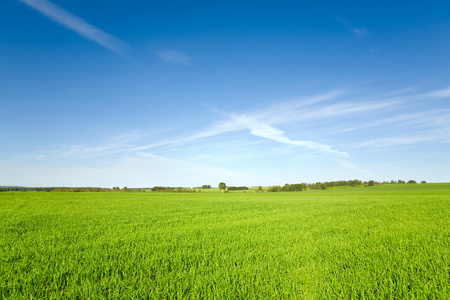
x,y
423,181
260,189
400,182
274,189
412,181
222,186
371,183
237,188
206,186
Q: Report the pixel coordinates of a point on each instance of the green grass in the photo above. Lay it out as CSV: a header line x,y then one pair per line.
x,y
374,243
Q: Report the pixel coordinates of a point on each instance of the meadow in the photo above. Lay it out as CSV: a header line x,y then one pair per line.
x,y
377,242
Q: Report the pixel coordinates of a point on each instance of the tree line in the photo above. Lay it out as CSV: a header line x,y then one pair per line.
x,y
296,187
168,189
54,189
69,189
238,188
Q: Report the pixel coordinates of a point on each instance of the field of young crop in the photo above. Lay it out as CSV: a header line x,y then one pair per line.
x,y
374,243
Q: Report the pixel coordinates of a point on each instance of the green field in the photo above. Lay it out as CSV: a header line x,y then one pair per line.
x,y
374,243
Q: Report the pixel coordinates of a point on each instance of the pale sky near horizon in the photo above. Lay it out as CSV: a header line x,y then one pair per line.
x,y
186,93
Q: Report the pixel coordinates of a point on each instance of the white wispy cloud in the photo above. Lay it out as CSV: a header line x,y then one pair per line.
x,y
406,90
259,127
260,123
395,141
445,93
81,27
304,112
359,32
423,119
112,145
430,125
351,166
424,126
441,134
174,57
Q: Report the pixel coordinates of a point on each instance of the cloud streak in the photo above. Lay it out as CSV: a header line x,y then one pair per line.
x,y
81,27
262,124
174,57
422,119
348,165
442,135
258,127
359,32
445,93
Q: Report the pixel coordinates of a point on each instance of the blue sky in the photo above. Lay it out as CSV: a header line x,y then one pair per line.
x,y
186,93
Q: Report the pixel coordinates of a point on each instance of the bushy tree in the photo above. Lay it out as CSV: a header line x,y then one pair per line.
x,y
222,186
238,188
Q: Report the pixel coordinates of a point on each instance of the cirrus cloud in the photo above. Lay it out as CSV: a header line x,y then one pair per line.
x,y
174,57
80,26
